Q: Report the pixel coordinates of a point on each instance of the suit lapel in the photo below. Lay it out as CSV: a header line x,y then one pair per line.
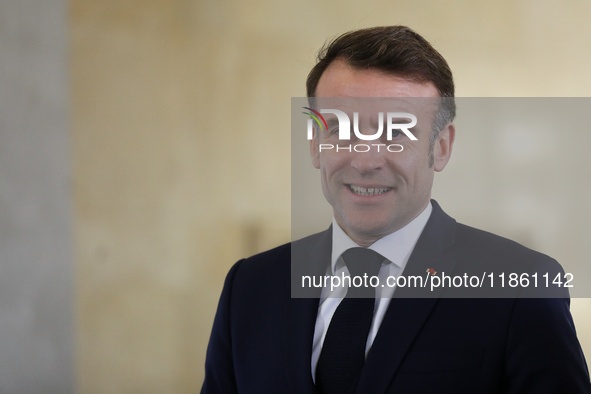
x,y
309,257
298,335
410,308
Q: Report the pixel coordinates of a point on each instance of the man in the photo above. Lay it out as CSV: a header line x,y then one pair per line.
x,y
265,341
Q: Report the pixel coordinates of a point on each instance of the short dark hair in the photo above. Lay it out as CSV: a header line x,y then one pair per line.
x,y
395,50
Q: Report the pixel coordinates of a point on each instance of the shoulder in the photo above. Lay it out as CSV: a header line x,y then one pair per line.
x,y
282,254
268,263
485,243
482,251
272,264
466,240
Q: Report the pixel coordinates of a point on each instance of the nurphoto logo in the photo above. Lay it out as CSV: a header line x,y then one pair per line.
x,y
395,122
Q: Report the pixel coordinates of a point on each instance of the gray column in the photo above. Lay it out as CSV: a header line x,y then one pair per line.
x,y
36,332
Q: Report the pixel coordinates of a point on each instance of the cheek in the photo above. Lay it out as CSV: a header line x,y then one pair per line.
x,y
412,164
404,160
332,163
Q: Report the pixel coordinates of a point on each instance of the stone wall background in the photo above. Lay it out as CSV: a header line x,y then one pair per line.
x,y
182,150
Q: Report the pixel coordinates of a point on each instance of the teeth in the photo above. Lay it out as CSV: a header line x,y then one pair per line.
x,y
368,191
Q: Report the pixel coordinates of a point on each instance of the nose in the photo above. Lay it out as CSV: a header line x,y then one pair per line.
x,y
366,160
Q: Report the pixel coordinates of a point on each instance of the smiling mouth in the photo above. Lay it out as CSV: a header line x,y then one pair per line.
x,y
368,191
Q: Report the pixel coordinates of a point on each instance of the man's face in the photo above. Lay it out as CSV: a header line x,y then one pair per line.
x,y
401,181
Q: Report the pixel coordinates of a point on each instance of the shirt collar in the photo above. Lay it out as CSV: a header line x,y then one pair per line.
x,y
395,247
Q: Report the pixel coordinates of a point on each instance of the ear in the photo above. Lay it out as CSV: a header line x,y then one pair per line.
x,y
443,146
314,151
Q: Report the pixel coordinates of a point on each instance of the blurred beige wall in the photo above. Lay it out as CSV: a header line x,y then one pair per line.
x,y
181,146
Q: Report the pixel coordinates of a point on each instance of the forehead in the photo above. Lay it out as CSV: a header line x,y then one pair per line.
x,y
369,91
341,80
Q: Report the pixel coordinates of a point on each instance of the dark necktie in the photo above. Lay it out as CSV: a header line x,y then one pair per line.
x,y
343,352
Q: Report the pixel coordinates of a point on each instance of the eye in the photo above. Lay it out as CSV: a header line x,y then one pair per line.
x,y
396,133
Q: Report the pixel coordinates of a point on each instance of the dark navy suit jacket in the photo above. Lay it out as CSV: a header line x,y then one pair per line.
x,y
261,340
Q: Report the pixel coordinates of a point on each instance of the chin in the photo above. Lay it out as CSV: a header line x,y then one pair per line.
x,y
369,227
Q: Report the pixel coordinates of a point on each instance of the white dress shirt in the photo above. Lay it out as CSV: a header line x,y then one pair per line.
x,y
396,248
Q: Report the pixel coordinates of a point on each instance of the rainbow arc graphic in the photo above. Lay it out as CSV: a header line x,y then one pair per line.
x,y
315,115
